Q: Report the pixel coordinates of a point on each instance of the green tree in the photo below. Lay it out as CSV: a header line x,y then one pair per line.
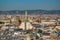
x,y
39,31
1,22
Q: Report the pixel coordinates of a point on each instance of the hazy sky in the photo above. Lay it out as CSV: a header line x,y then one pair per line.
x,y
29,4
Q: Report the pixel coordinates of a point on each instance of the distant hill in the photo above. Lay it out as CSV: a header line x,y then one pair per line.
x,y
31,12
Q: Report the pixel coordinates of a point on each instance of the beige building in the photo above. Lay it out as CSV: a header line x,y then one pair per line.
x,y
28,26
57,27
48,23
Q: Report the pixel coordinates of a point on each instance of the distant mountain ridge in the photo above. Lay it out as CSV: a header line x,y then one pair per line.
x,y
39,11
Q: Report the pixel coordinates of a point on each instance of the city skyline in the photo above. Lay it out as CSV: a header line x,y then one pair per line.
x,y
29,4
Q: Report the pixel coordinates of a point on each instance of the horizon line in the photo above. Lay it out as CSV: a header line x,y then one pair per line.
x,y
27,9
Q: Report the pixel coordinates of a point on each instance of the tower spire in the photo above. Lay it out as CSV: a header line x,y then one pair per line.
x,y
25,15
25,18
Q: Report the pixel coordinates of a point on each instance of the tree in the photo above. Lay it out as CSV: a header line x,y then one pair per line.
x,y
39,31
1,22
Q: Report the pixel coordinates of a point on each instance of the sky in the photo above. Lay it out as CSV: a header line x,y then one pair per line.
x,y
29,4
